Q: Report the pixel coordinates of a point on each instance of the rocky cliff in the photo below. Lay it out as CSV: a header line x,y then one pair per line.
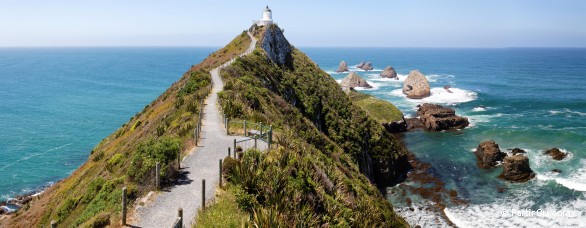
x,y
276,45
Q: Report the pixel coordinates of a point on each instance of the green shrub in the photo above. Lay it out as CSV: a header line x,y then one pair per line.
x,y
114,161
163,150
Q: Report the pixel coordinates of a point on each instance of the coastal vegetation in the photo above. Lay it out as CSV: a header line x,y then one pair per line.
x,y
91,196
379,109
328,150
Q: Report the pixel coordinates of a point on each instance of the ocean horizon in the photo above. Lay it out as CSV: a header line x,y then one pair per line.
x,y
57,103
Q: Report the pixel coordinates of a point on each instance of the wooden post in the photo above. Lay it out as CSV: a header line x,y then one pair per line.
x,y
124,206
229,155
203,194
227,126
54,224
196,132
255,142
178,159
180,215
260,132
157,174
244,128
270,136
235,152
220,173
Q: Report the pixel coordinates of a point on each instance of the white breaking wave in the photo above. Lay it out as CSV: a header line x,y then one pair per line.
x,y
479,109
566,111
518,213
441,96
576,180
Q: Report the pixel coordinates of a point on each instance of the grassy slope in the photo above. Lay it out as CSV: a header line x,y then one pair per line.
x,y
92,193
324,141
381,110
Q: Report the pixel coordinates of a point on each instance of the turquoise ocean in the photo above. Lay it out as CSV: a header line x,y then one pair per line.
x,y
56,104
530,98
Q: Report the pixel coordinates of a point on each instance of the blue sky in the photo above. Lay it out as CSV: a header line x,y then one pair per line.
x,y
408,23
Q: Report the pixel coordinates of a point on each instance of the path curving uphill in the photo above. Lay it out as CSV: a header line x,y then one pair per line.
x,y
202,163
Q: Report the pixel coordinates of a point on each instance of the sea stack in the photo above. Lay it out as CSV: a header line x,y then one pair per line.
x,y
489,154
389,72
516,168
360,65
367,66
354,80
342,67
416,86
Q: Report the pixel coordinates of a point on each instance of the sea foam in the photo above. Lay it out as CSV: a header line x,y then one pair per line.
x,y
441,96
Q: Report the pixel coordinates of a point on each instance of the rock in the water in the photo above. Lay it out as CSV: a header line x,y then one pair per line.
x,y
556,170
389,72
447,88
516,151
416,86
354,80
556,154
439,118
367,66
489,154
276,45
516,168
360,65
396,126
342,68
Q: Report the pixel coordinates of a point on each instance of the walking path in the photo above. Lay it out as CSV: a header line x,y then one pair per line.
x,y
202,163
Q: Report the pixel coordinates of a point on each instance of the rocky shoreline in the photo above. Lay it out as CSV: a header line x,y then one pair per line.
x,y
12,205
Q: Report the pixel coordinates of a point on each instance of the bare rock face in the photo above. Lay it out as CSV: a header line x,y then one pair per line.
x,y
556,154
488,154
276,45
360,65
342,67
354,80
416,86
516,151
396,126
439,118
516,168
389,72
367,66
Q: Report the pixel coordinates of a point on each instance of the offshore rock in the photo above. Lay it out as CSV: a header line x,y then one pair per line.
x,y
389,72
416,86
367,66
439,118
516,168
489,154
556,154
354,80
342,67
360,65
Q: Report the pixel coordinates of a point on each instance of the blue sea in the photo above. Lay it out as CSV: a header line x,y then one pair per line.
x,y
56,104
530,98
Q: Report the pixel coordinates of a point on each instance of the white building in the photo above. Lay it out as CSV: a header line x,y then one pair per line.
x,y
267,17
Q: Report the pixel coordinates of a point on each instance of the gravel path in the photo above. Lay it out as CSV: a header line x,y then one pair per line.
x,y
202,163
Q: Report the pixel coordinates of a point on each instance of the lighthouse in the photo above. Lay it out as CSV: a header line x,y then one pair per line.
x,y
267,17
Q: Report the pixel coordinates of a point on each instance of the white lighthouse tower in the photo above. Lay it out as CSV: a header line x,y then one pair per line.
x,y
267,17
